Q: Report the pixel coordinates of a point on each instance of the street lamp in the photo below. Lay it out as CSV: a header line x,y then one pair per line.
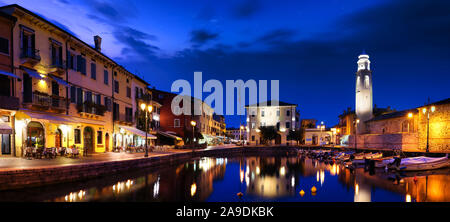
x,y
427,111
193,123
410,116
147,109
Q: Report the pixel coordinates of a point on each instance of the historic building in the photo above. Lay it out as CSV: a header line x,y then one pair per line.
x,y
9,102
237,134
424,128
180,125
283,116
70,94
364,97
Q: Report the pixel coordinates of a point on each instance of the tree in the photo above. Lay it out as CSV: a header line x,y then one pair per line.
x,y
188,135
267,133
296,135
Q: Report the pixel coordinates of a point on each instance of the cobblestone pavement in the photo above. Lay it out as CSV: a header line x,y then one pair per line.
x,y
12,163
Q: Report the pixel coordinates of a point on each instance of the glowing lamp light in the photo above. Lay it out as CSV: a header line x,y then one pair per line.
x,y
143,106
302,193
283,130
150,108
424,110
410,115
282,171
408,198
433,108
313,189
357,120
356,189
193,189
193,123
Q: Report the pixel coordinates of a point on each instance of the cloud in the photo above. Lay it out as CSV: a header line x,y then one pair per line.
x,y
136,42
246,9
201,36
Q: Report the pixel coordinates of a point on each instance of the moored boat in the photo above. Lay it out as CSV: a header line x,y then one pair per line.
x,y
421,163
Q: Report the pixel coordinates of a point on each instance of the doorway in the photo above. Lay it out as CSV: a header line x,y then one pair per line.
x,y
88,142
6,144
58,138
107,142
278,139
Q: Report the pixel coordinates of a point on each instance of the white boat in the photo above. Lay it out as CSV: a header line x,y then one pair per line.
x,y
423,163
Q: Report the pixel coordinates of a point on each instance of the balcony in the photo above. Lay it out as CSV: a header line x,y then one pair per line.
x,y
124,119
58,68
88,108
44,101
30,56
9,102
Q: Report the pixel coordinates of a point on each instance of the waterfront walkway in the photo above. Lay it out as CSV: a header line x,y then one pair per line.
x,y
18,163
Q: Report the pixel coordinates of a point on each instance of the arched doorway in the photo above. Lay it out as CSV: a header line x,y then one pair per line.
x,y
88,139
314,139
35,135
107,142
58,138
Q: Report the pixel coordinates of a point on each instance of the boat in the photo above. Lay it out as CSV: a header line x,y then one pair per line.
x,y
384,161
421,163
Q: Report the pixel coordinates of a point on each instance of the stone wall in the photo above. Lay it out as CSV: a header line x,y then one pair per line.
x,y
439,134
396,141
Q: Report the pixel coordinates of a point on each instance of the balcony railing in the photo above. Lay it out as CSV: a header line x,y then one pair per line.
x,y
30,54
91,108
9,102
49,101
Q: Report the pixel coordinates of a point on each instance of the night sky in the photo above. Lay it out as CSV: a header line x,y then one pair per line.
x,y
310,46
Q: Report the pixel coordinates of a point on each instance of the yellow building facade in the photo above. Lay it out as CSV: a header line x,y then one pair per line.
x,y
70,93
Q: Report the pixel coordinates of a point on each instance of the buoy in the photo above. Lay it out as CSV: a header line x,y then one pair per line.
x,y
415,179
240,194
313,189
302,193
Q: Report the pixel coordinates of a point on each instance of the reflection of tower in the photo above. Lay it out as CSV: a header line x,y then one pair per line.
x,y
364,102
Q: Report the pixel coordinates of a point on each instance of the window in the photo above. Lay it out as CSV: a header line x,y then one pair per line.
x,y
115,111
108,103
288,112
99,137
79,96
116,86
253,138
71,60
81,64
105,77
128,92
73,94
278,112
77,136
93,71
253,125
262,113
128,114
28,43
4,46
56,50
176,123
288,125
366,82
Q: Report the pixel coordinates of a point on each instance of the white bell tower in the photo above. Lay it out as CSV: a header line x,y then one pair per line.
x,y
364,100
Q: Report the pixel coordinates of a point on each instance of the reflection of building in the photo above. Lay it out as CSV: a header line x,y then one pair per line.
x,y
69,93
270,176
283,116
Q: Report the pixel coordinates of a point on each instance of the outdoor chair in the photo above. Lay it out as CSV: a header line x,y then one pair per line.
x,y
28,152
68,152
38,153
75,152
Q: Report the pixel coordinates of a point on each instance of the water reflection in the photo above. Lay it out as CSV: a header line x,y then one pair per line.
x,y
256,178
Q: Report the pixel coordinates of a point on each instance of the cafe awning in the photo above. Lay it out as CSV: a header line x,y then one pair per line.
x,y
8,74
86,121
59,81
169,135
5,128
24,114
137,132
32,73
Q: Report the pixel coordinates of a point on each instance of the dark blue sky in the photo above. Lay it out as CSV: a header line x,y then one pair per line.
x,y
310,46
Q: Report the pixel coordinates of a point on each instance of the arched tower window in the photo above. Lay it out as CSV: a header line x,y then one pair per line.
x,y
366,82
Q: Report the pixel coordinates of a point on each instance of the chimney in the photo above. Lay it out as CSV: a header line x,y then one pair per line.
x,y
98,43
